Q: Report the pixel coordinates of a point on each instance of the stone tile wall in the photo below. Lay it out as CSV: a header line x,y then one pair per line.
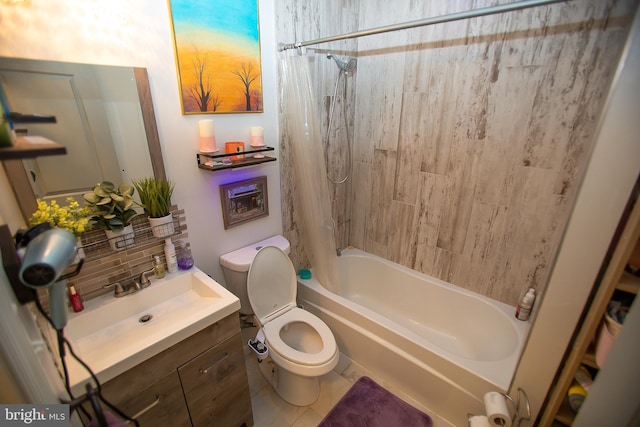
x,y
470,138
103,266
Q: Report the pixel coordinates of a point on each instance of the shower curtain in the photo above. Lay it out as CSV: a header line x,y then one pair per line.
x,y
312,190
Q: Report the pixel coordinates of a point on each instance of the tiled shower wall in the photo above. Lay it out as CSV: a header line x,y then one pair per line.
x,y
469,138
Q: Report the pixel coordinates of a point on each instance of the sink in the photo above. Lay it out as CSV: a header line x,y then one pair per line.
x,y
112,335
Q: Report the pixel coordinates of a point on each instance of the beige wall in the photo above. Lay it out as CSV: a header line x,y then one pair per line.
x,y
470,138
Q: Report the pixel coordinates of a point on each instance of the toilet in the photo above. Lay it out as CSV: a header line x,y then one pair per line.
x,y
235,266
294,347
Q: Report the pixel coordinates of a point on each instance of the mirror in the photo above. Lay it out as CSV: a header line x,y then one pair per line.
x,y
105,118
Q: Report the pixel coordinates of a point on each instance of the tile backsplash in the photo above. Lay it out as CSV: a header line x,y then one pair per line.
x,y
103,265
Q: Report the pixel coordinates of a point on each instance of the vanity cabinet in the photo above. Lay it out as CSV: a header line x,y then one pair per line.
x,y
162,403
200,381
213,385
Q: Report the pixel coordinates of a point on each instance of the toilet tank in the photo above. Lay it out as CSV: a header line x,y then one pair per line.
x,y
235,266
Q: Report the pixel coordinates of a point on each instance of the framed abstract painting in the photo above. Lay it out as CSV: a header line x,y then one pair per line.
x,y
217,51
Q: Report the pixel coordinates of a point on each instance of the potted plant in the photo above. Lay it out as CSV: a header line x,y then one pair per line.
x,y
155,198
112,210
72,217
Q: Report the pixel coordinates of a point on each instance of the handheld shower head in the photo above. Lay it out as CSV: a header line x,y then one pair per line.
x,y
348,66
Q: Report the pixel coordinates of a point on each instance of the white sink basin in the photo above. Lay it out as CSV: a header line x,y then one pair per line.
x,y
109,336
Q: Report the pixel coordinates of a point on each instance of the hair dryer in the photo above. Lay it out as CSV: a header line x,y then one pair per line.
x,y
47,256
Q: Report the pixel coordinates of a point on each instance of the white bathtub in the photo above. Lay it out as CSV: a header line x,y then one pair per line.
x,y
441,344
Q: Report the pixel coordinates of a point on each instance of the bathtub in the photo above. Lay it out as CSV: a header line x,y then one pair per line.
x,y
441,344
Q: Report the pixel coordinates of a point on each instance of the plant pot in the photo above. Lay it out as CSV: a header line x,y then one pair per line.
x,y
120,240
162,227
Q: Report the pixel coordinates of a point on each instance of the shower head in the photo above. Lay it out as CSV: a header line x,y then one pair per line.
x,y
348,66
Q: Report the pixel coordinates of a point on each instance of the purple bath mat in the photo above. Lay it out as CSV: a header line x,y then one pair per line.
x,y
367,404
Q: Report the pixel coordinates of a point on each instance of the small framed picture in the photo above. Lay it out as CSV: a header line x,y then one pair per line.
x,y
244,201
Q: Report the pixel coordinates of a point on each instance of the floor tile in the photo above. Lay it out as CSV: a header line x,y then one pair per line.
x,y
270,410
332,388
309,418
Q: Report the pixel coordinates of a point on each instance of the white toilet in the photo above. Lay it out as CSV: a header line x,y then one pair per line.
x,y
300,347
235,266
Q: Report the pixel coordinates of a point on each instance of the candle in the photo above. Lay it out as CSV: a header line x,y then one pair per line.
x,y
207,136
257,136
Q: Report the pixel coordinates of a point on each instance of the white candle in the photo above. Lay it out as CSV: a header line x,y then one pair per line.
x,y
257,136
207,136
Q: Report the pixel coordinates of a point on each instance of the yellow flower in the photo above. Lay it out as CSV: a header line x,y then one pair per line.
x,y
72,217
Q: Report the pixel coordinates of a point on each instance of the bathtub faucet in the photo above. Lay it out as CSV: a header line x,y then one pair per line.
x,y
339,252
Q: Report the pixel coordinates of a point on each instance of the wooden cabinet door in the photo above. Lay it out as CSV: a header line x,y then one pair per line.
x,y
160,404
216,387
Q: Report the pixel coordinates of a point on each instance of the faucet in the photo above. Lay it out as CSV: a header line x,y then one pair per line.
x,y
143,281
133,287
119,290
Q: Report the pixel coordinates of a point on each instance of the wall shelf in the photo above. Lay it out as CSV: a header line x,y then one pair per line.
x,y
30,147
629,283
215,162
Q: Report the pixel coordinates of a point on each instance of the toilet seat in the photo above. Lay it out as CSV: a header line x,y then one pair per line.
x,y
272,289
275,342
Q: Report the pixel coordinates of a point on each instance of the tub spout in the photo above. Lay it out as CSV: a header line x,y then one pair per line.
x,y
339,252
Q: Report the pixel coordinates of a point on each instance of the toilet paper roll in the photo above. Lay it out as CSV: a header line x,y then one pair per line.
x,y
479,421
497,410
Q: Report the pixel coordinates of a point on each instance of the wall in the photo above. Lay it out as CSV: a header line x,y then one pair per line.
x,y
470,137
600,206
121,32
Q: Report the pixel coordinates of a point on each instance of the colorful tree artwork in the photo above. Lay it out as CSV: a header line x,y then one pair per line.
x,y
217,49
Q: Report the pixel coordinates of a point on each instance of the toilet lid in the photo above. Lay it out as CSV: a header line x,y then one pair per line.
x,y
275,342
271,283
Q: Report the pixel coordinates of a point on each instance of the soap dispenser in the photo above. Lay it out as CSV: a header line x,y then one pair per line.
x,y
158,267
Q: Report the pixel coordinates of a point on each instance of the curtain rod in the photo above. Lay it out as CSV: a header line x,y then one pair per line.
x,y
525,4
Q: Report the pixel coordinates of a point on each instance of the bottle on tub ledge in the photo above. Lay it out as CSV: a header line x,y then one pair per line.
x,y
526,303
